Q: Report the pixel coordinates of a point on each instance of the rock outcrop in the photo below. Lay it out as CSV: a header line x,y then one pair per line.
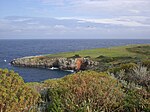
x,y
75,64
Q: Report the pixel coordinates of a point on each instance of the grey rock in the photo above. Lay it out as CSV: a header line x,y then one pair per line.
x,y
60,63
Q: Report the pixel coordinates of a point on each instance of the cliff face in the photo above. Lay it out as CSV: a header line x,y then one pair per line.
x,y
75,64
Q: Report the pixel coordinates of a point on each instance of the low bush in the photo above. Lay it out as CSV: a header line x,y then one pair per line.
x,y
15,95
146,63
137,74
144,50
95,92
86,92
136,83
76,56
125,67
137,100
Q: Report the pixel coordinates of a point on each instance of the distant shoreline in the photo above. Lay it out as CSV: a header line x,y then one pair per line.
x,y
84,59
71,39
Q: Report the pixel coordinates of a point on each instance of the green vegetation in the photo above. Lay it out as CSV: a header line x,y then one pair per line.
x,y
85,92
91,91
107,58
120,51
15,95
144,50
120,83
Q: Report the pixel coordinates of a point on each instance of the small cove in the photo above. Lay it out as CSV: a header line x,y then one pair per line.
x,y
11,49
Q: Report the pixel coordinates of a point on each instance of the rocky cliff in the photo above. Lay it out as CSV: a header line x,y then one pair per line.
x,y
75,64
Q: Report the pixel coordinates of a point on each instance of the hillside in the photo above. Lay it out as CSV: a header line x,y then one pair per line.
x,y
115,85
119,51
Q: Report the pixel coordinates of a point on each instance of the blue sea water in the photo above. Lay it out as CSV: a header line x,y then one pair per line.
x,y
11,49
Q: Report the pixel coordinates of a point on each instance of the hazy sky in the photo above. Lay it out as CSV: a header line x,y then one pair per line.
x,y
99,19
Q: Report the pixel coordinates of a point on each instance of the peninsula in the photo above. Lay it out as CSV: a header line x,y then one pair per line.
x,y
99,59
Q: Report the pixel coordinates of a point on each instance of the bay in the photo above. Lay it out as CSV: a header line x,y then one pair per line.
x,y
11,49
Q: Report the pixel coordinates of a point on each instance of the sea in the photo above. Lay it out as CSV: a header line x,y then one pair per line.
x,y
12,49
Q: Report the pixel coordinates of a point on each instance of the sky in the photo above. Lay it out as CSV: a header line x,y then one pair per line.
x,y
74,19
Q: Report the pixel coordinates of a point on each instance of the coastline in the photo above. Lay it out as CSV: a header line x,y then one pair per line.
x,y
91,59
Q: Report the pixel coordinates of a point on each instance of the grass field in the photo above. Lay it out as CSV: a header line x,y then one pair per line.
x,y
119,51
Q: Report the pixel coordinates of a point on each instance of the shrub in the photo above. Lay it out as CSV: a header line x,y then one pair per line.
x,y
76,56
140,49
146,63
127,67
137,100
15,95
136,83
139,75
86,92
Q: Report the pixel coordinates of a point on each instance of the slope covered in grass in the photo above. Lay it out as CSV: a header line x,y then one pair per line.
x,y
119,51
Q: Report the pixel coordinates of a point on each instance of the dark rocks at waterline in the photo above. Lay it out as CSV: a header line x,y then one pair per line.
x,y
75,64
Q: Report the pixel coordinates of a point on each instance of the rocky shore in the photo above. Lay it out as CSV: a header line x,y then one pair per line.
x,y
75,64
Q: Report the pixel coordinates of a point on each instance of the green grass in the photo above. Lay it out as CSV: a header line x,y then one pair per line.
x,y
140,49
106,57
120,51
